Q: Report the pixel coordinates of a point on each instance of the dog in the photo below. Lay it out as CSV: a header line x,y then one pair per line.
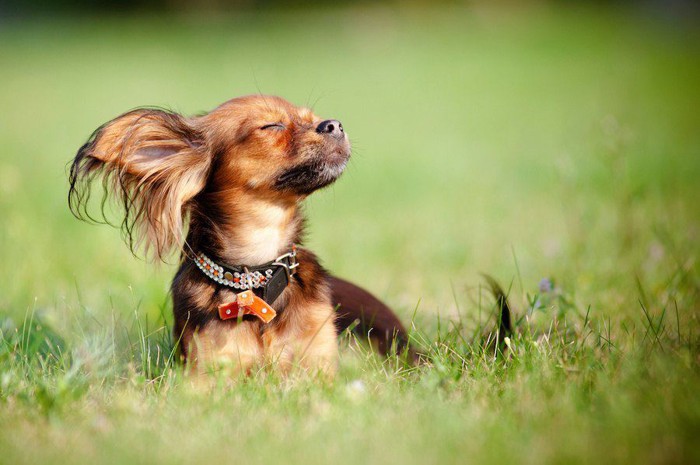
x,y
225,189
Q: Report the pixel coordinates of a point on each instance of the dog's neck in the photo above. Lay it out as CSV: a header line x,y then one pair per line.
x,y
245,229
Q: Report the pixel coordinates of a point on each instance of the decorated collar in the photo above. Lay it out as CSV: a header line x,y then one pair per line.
x,y
258,286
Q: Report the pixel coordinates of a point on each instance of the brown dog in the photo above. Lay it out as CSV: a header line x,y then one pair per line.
x,y
245,295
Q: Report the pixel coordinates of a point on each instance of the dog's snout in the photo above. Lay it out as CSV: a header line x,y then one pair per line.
x,y
331,127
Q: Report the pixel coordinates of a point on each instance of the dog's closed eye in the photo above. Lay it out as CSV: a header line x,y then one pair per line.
x,y
275,126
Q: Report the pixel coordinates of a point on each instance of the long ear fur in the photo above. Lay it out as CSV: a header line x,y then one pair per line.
x,y
154,162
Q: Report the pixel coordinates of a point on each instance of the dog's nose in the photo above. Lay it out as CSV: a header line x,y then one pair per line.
x,y
331,127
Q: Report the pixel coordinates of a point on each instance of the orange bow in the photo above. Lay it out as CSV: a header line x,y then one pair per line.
x,y
247,303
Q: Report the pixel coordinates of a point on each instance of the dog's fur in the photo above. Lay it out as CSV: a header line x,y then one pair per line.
x,y
232,181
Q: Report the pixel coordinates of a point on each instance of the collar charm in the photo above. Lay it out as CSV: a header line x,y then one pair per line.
x,y
247,303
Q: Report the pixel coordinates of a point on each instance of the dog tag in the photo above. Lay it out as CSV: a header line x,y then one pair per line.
x,y
247,303
230,310
261,309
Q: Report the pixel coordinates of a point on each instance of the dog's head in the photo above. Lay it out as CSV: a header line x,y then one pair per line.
x,y
157,162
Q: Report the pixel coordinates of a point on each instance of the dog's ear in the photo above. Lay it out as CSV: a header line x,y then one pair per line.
x,y
154,162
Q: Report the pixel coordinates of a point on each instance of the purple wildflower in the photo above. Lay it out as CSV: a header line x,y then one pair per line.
x,y
545,286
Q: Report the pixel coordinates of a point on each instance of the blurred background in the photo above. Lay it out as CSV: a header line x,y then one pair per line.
x,y
529,140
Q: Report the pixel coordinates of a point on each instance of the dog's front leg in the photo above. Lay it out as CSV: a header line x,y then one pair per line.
x,y
319,351
306,339
233,347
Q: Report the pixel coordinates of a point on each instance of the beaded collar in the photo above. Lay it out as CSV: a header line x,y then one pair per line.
x,y
267,280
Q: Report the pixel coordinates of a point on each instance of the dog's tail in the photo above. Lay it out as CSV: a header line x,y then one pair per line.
x,y
505,324
371,317
374,320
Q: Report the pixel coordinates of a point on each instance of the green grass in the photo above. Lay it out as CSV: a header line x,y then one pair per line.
x,y
536,143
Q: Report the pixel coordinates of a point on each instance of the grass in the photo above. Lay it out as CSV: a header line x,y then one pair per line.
x,y
535,143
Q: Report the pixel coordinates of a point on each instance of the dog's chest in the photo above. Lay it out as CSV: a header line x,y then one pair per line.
x,y
262,239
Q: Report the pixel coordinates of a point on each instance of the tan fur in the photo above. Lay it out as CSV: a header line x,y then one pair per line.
x,y
302,337
270,224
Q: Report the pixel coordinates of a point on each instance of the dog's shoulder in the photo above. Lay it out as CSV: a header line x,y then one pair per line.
x,y
311,276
